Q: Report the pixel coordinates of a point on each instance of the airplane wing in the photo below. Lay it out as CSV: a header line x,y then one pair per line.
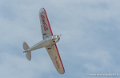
x,y
52,50
56,59
45,24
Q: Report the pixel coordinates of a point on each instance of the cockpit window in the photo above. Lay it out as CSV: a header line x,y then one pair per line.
x,y
56,38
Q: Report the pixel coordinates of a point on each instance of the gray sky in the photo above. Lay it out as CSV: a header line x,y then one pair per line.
x,y
90,40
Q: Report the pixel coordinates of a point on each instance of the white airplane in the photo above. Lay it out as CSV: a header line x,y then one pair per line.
x,y
49,42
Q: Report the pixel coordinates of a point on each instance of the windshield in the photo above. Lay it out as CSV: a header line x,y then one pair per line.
x,y
56,38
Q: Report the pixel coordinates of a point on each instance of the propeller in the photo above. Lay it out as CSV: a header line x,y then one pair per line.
x,y
60,35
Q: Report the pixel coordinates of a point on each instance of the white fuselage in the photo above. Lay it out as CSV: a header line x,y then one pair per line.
x,y
52,40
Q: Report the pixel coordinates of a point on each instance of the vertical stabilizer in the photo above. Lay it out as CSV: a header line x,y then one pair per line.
x,y
28,53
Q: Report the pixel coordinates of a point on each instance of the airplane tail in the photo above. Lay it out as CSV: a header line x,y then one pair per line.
x,y
28,53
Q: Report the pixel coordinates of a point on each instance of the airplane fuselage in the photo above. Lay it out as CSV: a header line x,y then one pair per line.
x,y
50,41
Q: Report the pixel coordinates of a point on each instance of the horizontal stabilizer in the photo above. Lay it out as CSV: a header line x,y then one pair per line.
x,y
28,53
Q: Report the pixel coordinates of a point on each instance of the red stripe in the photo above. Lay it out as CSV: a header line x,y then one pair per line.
x,y
55,44
48,22
59,57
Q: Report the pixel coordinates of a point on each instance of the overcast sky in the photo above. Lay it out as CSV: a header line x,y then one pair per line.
x,y
90,41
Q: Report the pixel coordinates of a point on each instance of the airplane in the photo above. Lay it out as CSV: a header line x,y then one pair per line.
x,y
49,42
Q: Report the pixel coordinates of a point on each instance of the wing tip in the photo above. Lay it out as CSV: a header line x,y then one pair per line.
x,y
63,72
42,10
